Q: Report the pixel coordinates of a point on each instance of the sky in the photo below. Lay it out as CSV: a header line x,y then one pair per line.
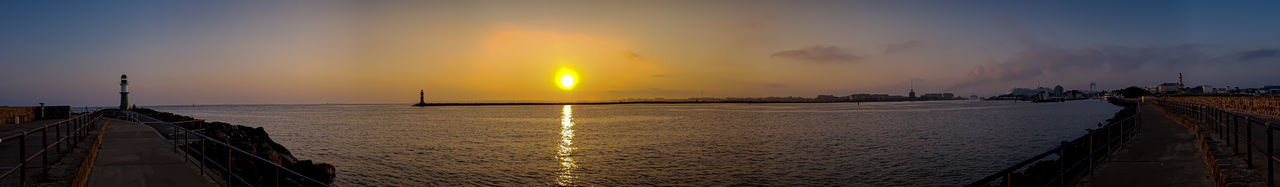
x,y
354,52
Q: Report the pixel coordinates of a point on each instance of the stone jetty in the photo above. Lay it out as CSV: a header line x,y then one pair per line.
x,y
254,140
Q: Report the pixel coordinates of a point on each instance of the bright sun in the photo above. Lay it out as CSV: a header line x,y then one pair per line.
x,y
566,79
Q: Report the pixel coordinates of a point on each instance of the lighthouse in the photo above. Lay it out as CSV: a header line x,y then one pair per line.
x,y
124,92
422,95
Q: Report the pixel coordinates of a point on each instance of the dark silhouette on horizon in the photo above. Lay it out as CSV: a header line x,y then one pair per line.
x,y
421,99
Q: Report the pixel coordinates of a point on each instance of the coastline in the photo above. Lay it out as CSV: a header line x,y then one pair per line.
x,y
666,102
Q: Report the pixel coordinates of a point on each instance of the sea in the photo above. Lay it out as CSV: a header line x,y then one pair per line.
x,y
922,143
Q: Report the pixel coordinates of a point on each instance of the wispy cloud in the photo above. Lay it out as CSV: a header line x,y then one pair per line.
x,y
774,85
818,54
1037,60
902,47
651,92
1255,54
632,56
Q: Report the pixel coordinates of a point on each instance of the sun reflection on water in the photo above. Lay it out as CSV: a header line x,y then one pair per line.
x,y
565,153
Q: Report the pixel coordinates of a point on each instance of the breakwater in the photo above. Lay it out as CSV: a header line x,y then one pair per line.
x,y
255,141
1073,158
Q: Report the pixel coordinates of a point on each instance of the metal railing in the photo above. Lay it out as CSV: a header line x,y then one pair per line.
x,y
1233,127
1083,153
65,132
183,139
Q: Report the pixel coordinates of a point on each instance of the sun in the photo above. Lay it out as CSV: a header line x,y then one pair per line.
x,y
566,78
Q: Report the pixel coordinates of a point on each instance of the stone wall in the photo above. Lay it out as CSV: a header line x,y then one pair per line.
x,y
1264,106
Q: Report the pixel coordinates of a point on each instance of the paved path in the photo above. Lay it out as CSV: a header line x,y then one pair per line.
x,y
133,154
1164,153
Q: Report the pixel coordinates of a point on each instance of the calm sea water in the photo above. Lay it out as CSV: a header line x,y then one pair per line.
x,y
895,143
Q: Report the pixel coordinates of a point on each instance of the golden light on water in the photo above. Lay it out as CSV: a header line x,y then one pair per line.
x,y
565,153
566,78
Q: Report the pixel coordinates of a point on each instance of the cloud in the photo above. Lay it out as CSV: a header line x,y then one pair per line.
x,y
632,56
659,76
652,92
1255,54
901,47
818,54
1038,59
774,85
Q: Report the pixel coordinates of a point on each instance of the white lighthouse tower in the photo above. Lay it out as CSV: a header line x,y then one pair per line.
x,y
124,92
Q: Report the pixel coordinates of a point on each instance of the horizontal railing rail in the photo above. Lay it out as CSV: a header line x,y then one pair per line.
x,y
65,132
1227,125
1111,136
204,161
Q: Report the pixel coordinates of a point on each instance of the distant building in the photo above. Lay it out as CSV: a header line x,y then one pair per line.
x,y
1028,91
1269,91
937,96
1169,88
827,98
1200,89
1057,91
875,97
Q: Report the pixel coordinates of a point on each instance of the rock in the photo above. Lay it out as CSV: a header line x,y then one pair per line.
x,y
255,141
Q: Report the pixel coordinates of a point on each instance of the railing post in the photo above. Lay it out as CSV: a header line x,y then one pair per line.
x,y
22,158
229,167
1222,126
44,156
1248,140
1062,160
1270,153
1108,142
57,133
1091,153
1235,134
175,139
1222,120
68,136
203,155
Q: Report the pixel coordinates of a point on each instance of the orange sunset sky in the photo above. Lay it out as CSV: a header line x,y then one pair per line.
x,y
298,52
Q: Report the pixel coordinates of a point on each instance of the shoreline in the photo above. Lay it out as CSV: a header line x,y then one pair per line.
x,y
565,103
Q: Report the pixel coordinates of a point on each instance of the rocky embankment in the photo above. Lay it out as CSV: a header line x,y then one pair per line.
x,y
252,140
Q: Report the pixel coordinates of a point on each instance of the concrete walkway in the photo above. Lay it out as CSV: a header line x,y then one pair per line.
x,y
9,150
1164,153
133,154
